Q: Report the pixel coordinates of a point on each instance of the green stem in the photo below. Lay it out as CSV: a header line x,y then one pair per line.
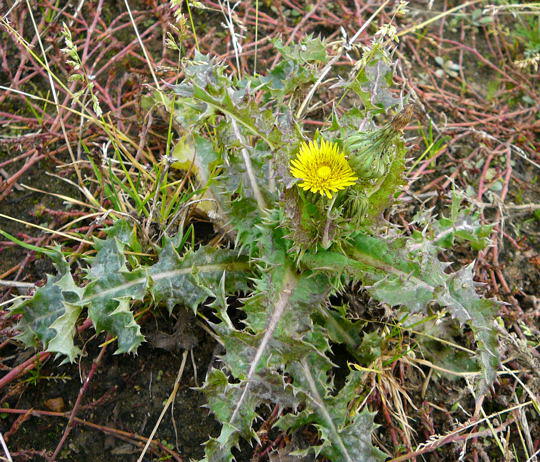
x,y
249,168
193,26
326,239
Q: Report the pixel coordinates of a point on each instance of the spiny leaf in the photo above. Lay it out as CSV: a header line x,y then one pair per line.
x,y
434,342
354,441
244,218
300,65
124,232
370,349
308,50
222,397
279,315
286,306
115,317
307,293
339,328
342,441
109,258
285,288
372,79
197,276
226,105
466,228
64,326
268,387
196,154
462,225
107,295
255,359
49,317
241,348
417,279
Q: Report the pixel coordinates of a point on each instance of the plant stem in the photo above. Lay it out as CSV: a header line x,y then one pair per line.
x,y
290,281
249,168
326,239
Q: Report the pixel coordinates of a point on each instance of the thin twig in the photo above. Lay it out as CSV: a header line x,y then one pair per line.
x,y
170,399
5,448
78,402
334,60
25,285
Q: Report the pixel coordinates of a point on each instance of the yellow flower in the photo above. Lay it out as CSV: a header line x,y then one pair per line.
x,y
323,167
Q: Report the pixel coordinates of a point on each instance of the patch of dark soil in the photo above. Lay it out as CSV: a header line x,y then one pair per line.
x,y
126,394
22,204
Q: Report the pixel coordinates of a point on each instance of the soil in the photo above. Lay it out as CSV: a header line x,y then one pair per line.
x,y
127,393
25,205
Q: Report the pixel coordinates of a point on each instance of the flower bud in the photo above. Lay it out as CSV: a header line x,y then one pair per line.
x,y
369,152
356,205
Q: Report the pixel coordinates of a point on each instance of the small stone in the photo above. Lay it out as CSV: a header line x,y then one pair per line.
x,y
55,404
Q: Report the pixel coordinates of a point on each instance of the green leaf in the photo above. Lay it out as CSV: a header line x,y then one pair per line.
x,y
372,80
197,155
353,442
462,225
226,105
268,387
343,441
222,398
241,348
434,342
465,228
339,328
108,294
286,77
300,65
191,279
49,317
309,49
370,349
414,278
123,231
279,303
304,296
279,314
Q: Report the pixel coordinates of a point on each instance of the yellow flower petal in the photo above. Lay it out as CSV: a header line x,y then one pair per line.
x,y
323,168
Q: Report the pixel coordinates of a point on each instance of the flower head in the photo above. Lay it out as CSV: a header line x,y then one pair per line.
x,y
323,168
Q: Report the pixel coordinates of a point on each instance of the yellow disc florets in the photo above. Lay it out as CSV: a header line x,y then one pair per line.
x,y
323,168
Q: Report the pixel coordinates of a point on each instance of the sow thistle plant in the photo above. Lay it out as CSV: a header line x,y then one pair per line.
x,y
302,212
